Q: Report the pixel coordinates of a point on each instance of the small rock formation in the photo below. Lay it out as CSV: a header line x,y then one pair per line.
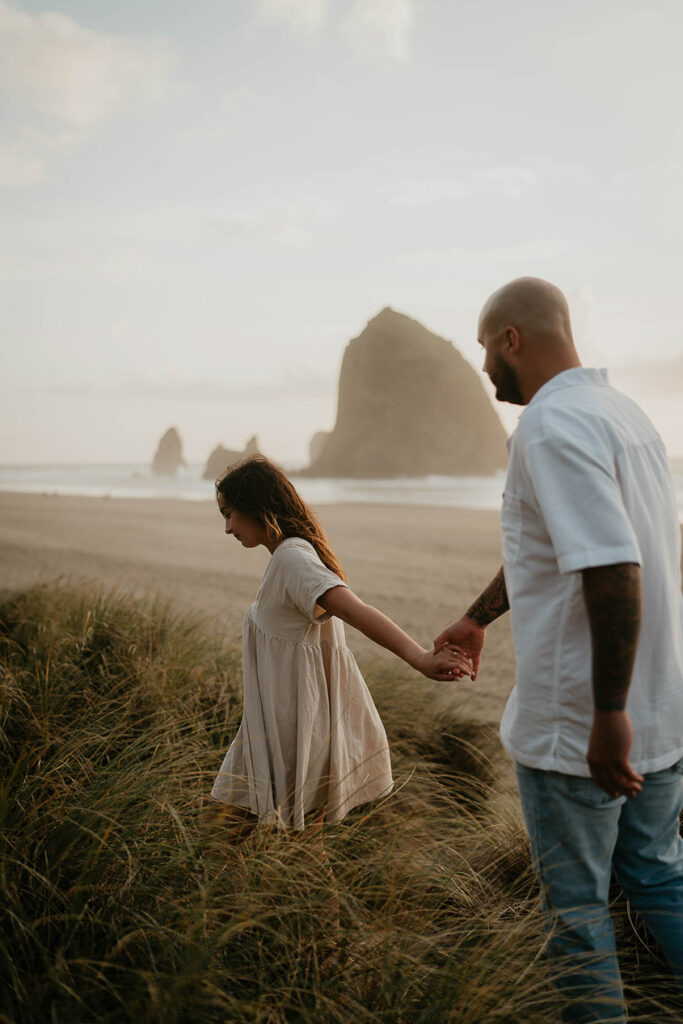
x,y
222,457
317,443
409,405
169,454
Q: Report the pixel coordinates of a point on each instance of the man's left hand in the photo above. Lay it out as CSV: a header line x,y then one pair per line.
x,y
608,750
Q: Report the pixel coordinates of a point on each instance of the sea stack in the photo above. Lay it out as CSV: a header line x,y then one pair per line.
x,y
222,457
169,455
409,405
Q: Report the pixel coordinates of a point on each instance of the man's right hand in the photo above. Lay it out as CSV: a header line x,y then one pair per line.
x,y
608,750
466,635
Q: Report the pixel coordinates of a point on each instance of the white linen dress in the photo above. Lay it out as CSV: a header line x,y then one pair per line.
x,y
310,734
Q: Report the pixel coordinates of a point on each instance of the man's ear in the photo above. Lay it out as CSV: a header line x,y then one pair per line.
x,y
511,340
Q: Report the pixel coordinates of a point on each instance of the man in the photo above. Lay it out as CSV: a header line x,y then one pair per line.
x,y
591,575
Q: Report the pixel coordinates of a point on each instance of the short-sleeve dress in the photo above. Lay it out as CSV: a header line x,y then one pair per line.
x,y
310,734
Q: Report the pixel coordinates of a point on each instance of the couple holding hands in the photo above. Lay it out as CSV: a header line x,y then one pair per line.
x,y
591,577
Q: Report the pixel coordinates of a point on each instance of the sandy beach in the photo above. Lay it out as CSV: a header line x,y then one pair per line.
x,y
421,566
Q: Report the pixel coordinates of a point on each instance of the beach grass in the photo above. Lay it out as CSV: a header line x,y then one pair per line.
x,y
120,903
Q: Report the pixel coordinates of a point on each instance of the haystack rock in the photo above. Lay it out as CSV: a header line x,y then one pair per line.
x,y
409,405
221,457
169,454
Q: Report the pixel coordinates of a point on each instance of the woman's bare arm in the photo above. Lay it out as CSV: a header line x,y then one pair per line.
x,y
443,665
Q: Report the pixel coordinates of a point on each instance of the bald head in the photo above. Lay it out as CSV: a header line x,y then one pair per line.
x,y
526,331
535,307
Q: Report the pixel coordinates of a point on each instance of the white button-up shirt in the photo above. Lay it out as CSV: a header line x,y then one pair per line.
x,y
588,484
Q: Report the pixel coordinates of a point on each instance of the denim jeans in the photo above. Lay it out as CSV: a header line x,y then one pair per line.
x,y
578,836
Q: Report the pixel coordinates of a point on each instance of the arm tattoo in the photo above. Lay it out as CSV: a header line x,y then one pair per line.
x,y
490,604
613,602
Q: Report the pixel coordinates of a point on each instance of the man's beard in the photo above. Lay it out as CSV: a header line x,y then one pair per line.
x,y
507,385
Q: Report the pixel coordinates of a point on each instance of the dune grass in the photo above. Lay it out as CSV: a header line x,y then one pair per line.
x,y
119,904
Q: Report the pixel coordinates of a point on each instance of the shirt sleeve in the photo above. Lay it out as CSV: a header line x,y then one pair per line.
x,y
307,579
574,479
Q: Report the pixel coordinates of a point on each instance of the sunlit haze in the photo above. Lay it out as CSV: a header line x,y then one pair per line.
x,y
203,203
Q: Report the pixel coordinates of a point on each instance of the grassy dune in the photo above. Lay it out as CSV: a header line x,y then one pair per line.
x,y
120,905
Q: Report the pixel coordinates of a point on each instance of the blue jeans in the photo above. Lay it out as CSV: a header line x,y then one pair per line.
x,y
578,835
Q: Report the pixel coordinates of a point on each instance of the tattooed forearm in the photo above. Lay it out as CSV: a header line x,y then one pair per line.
x,y
490,604
612,595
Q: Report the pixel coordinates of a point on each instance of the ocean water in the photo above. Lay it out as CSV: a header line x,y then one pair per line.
x,y
137,481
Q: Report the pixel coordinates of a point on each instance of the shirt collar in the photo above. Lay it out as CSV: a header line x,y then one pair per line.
x,y
567,379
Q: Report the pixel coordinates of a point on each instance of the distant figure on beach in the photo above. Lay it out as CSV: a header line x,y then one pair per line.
x,y
591,576
311,744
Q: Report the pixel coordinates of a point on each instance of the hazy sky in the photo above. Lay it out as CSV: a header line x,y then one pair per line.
x,y
203,203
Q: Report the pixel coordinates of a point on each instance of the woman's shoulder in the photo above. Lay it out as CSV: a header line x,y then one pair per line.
x,y
300,576
295,551
296,557
294,544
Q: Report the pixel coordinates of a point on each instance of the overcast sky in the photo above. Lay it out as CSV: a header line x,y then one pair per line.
x,y
203,203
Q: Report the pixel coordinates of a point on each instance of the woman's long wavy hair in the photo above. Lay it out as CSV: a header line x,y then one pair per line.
x,y
258,488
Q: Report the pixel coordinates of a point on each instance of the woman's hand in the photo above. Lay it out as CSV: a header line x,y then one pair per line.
x,y
445,665
468,636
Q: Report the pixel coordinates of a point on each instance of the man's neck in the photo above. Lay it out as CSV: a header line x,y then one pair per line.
x,y
544,374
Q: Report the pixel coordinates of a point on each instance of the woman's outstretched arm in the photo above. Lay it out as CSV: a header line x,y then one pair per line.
x,y
442,665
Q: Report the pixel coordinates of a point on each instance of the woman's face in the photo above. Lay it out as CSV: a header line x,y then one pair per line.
x,y
249,532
